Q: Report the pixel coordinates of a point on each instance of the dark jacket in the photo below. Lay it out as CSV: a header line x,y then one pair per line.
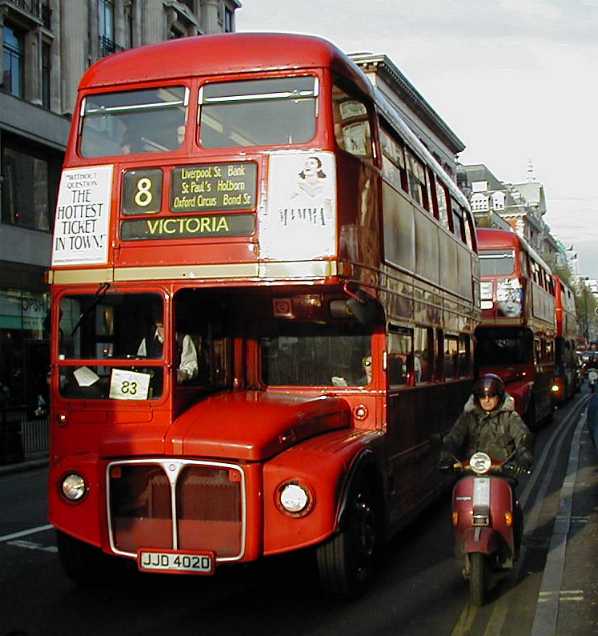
x,y
498,433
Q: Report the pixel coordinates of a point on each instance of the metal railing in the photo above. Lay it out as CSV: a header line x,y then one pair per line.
x,y
108,46
23,434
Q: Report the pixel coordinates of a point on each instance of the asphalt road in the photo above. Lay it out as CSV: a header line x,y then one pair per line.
x,y
418,591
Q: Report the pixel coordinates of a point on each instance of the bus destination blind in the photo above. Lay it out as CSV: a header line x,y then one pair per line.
x,y
219,225
212,187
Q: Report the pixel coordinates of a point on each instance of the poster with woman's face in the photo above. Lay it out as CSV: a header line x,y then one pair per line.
x,y
299,219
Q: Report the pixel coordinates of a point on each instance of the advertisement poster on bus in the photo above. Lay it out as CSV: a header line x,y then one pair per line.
x,y
82,216
299,221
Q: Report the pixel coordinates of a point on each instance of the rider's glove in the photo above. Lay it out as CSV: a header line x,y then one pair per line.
x,y
519,469
445,461
524,458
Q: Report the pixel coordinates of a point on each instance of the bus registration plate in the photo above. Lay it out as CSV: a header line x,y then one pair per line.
x,y
175,561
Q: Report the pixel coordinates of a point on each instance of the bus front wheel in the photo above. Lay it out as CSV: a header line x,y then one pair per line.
x,y
84,564
346,562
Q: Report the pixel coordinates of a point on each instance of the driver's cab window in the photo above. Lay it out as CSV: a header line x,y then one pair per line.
x,y
105,342
202,343
351,124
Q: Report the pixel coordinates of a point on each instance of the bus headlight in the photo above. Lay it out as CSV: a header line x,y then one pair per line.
x,y
294,498
74,487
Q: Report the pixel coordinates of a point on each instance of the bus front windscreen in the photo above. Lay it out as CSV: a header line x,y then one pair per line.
x,y
499,347
280,111
497,262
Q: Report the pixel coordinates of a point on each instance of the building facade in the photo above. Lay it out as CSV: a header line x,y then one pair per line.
x,y
423,120
516,206
46,46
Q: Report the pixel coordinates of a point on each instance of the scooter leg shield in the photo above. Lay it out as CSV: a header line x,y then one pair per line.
x,y
484,540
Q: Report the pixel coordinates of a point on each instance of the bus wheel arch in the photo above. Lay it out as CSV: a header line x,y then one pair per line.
x,y
346,562
83,563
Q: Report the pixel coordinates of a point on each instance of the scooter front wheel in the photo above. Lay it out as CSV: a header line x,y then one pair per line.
x,y
478,574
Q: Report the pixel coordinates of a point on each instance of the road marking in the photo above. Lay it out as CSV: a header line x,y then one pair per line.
x,y
24,533
498,616
547,612
564,596
463,626
497,619
29,545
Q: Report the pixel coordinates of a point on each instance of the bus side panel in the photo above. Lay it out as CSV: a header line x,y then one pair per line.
x,y
322,464
414,414
358,204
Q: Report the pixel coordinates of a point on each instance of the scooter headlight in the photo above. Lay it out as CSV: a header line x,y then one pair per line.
x,y
480,463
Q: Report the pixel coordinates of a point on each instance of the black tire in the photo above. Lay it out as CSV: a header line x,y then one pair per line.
x,y
477,578
346,562
84,564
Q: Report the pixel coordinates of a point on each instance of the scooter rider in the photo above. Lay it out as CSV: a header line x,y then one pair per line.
x,y
489,423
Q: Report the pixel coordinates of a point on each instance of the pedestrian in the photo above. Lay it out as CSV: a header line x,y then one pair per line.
x,y
592,379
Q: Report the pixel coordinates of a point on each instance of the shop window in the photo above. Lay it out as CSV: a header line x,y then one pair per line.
x,y
24,353
30,185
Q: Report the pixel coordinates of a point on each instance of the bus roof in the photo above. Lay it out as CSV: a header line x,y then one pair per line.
x,y
490,238
221,54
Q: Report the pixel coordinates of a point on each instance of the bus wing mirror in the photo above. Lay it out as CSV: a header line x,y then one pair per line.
x,y
365,311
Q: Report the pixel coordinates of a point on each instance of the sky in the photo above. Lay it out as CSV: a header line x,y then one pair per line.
x,y
516,81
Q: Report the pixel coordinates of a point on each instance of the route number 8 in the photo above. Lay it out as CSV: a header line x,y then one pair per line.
x,y
144,196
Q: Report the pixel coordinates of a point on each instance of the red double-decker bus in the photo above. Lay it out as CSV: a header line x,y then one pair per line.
x,y
516,337
264,294
566,378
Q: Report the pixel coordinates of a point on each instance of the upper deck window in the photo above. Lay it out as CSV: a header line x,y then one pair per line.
x,y
351,124
151,120
497,262
263,112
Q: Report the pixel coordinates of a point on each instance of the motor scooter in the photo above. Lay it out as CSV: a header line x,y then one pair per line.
x,y
484,517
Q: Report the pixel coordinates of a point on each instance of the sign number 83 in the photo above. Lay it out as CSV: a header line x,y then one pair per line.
x,y
128,388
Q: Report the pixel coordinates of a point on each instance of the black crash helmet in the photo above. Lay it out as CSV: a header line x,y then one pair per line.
x,y
489,385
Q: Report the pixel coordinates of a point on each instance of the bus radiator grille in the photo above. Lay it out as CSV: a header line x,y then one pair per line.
x,y
209,508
